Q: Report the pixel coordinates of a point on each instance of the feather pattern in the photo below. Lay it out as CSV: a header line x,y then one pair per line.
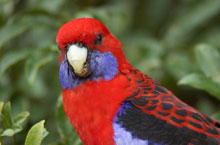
x,y
166,115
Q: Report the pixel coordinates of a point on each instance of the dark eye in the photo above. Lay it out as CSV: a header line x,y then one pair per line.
x,y
98,39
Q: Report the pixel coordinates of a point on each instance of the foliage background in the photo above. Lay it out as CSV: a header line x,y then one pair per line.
x,y
175,42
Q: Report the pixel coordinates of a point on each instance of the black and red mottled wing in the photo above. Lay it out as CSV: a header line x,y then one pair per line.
x,y
159,116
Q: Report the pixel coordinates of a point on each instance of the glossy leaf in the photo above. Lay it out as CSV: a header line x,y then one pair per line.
x,y
1,106
201,82
11,131
21,117
208,59
6,115
35,134
8,132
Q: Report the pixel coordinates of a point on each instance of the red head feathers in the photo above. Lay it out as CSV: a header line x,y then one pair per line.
x,y
86,30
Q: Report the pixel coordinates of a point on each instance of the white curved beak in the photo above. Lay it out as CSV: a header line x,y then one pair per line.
x,y
77,57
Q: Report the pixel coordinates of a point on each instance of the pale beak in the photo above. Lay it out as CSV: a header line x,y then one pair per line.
x,y
77,57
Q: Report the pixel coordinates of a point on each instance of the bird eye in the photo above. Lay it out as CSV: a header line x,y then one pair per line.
x,y
98,39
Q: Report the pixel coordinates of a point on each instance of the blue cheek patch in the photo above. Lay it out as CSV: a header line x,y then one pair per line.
x,y
67,77
102,65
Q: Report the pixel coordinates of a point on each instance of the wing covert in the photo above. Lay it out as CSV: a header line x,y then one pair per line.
x,y
156,101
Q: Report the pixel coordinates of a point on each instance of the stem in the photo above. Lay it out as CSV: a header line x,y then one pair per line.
x,y
14,139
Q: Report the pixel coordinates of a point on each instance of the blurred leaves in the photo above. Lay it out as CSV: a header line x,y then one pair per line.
x,y
13,29
188,20
179,64
167,40
209,80
208,60
34,64
202,82
216,116
12,58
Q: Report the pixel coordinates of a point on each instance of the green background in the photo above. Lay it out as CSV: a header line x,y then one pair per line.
x,y
175,42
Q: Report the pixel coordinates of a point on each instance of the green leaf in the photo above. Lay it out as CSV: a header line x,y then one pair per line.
x,y
1,106
65,129
179,64
17,128
16,26
11,30
21,117
201,82
35,134
8,132
12,127
208,59
12,58
6,115
11,131
34,64
189,21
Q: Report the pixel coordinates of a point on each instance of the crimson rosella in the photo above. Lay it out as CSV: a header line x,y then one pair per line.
x,y
109,102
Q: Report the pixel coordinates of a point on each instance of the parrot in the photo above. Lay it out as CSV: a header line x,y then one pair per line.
x,y
110,102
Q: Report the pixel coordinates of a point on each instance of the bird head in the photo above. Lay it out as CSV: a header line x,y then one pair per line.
x,y
88,52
